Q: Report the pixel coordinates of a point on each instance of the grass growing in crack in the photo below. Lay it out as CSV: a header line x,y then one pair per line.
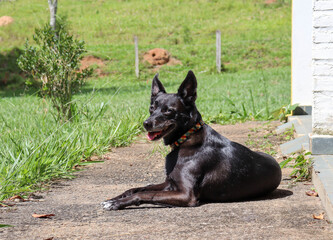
x,y
302,165
288,134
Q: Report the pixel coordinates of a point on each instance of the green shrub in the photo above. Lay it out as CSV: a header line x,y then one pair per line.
x,y
54,64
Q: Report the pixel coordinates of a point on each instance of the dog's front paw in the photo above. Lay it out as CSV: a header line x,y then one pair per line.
x,y
110,205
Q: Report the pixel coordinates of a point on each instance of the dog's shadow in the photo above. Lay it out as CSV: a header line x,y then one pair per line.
x,y
276,194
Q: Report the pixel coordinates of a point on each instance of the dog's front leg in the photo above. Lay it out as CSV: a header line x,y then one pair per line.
x,y
168,198
151,187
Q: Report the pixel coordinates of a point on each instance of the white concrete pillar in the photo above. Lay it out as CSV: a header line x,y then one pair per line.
x,y
321,140
301,92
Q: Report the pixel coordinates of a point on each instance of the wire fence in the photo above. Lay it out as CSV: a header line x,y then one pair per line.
x,y
223,48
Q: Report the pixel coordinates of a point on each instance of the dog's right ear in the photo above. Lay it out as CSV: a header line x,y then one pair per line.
x,y
156,87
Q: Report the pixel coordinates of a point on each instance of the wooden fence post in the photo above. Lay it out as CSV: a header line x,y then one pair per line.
x,y
218,51
136,56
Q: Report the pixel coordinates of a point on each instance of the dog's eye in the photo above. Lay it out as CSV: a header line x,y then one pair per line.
x,y
168,111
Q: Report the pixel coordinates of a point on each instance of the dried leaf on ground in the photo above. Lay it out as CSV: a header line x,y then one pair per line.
x,y
16,198
106,157
311,193
42,215
319,217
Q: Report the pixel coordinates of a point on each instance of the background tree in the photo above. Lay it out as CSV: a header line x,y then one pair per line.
x,y
53,5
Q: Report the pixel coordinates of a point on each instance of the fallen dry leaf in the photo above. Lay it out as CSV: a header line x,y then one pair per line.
x,y
42,215
94,158
319,217
311,193
16,198
106,157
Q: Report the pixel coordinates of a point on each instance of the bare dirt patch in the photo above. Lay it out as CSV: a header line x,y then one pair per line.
x,y
287,213
92,61
270,1
6,20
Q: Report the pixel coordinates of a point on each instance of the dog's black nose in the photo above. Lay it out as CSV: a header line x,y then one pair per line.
x,y
147,124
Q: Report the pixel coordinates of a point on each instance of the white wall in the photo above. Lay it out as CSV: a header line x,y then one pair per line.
x,y
301,52
322,67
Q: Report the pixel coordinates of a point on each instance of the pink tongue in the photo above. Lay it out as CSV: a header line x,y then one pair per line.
x,y
152,135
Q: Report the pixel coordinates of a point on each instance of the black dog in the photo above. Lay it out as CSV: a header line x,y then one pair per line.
x,y
203,166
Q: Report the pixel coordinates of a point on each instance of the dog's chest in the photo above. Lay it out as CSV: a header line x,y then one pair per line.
x,y
176,160
171,161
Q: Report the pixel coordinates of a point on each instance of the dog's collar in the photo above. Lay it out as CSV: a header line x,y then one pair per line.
x,y
184,138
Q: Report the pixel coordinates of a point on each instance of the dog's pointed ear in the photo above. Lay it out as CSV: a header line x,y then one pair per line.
x,y
188,89
156,87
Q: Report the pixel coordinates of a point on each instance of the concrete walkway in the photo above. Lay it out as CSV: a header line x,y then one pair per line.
x,y
322,176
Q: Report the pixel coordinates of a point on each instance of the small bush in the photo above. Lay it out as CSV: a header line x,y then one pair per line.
x,y
54,64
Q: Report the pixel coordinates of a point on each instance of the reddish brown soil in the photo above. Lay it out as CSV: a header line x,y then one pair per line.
x,y
270,2
6,20
89,61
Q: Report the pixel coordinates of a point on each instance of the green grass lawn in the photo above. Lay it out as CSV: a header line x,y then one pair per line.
x,y
35,148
